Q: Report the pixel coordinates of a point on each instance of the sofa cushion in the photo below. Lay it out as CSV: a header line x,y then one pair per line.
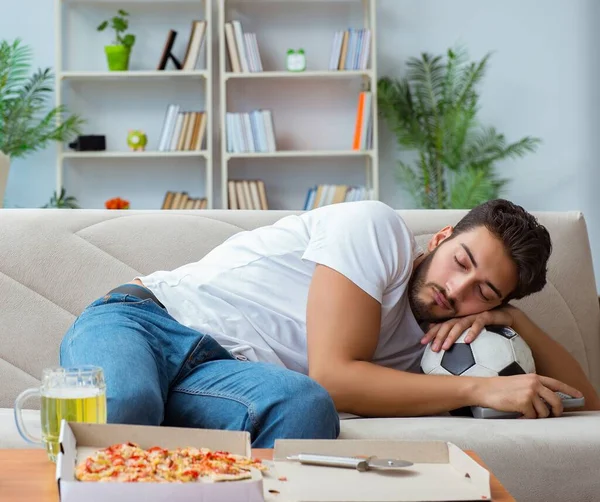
x,y
536,460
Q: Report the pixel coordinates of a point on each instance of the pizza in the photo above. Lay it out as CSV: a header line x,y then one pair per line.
x,y
127,462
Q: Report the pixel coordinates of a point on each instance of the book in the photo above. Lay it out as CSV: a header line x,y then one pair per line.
x,y
350,49
199,141
250,132
168,200
255,49
356,143
169,124
182,200
343,51
335,50
176,131
195,43
241,47
262,193
232,50
232,195
247,194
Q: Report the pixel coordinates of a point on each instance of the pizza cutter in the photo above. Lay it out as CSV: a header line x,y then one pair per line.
x,y
360,464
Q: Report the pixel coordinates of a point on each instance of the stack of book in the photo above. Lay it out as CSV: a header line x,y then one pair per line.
x,y
247,194
242,48
350,50
182,130
181,200
250,132
363,128
322,195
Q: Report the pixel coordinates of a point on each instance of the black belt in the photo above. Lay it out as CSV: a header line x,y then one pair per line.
x,y
137,291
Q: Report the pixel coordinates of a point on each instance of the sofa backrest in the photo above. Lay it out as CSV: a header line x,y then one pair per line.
x,y
54,262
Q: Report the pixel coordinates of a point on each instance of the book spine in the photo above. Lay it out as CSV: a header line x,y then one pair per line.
x,y
176,132
239,39
232,49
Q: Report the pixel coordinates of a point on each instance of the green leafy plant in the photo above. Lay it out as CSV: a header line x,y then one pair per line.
x,y
433,111
120,24
26,124
61,201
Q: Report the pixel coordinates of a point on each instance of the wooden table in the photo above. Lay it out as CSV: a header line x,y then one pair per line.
x,y
28,476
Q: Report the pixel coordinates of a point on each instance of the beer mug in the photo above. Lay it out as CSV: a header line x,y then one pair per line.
x,y
75,394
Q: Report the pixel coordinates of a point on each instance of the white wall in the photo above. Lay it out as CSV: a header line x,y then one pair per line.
x,y
542,81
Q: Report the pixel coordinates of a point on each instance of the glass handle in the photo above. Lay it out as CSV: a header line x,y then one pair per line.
x,y
21,398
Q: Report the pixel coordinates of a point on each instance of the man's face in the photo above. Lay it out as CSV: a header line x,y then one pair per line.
x,y
463,275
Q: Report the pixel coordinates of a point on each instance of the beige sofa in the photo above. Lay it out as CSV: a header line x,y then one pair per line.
x,y
54,262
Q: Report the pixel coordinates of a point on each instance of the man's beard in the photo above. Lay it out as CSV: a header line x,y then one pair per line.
x,y
417,284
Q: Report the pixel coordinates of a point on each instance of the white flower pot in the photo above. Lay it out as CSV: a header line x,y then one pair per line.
x,y
4,168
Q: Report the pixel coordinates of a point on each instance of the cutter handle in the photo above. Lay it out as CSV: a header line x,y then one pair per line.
x,y
360,464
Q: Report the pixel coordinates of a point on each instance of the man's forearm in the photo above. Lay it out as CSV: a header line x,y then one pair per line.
x,y
366,389
553,360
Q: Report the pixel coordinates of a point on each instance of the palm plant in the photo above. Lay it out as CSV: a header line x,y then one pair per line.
x,y
62,201
26,124
433,110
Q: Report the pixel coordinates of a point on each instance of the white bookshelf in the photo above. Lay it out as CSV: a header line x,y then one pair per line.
x,y
292,22
72,80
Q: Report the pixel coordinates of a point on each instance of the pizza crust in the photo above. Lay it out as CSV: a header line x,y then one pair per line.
x,y
230,477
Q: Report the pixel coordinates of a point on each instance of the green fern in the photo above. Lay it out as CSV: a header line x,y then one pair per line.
x,y
433,110
26,123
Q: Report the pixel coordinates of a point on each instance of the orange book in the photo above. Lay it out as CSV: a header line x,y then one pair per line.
x,y
359,119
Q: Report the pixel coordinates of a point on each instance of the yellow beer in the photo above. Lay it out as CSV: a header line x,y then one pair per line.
x,y
73,405
76,394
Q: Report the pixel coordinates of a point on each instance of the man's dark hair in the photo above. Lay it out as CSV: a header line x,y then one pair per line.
x,y
526,241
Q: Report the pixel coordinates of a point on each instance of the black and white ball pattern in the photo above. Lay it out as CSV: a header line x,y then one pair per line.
x,y
497,351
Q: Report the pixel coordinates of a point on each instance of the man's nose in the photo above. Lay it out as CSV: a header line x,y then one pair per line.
x,y
457,287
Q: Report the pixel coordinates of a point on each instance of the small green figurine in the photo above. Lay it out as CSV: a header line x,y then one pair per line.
x,y
296,60
137,140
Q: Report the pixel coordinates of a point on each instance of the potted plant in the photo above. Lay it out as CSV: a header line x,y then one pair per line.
x,y
117,54
433,111
26,123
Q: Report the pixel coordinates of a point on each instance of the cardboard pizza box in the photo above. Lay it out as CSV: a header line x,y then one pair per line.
x,y
441,472
78,440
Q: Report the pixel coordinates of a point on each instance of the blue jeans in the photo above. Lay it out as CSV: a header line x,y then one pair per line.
x,y
159,372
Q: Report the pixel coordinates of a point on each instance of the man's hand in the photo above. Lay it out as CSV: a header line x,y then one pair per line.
x,y
446,333
524,394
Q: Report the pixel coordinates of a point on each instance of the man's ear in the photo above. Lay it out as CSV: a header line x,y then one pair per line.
x,y
440,237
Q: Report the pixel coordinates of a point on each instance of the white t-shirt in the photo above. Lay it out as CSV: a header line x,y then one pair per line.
x,y
250,292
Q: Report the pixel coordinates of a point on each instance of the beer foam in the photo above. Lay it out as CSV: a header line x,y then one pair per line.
x,y
71,392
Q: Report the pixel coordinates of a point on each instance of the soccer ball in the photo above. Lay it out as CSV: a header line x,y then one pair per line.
x,y
497,351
